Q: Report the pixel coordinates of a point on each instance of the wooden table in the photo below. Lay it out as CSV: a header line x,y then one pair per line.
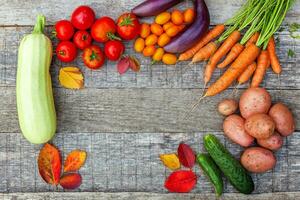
x,y
125,122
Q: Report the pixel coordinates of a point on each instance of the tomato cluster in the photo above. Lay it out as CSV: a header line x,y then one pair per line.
x,y
84,28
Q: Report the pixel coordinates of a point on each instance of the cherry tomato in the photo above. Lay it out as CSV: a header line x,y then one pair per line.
x,y
93,57
83,17
114,49
64,30
82,39
128,26
104,29
66,51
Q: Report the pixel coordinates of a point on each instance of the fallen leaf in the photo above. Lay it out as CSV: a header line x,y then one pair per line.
x,y
170,160
49,164
186,155
71,77
134,64
70,181
181,181
123,65
74,160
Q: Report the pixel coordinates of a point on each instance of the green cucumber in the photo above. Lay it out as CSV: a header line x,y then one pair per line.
x,y
212,171
231,168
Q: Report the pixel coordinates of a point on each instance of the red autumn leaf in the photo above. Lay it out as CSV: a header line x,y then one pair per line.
x,y
70,181
123,65
186,155
181,181
134,64
74,160
49,163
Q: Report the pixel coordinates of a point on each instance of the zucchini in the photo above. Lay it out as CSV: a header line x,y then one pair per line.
x,y
212,171
35,104
231,168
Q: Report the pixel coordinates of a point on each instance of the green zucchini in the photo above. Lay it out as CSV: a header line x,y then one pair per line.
x,y
231,168
212,171
35,104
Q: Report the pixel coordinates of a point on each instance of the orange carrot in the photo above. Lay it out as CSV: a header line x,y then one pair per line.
x,y
233,54
247,57
253,39
273,57
205,53
246,75
263,62
213,33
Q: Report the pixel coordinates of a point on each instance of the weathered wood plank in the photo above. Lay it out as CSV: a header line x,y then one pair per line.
x,y
129,162
142,196
134,110
16,12
158,76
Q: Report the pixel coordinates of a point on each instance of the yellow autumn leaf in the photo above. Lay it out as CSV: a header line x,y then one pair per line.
x,y
71,77
170,160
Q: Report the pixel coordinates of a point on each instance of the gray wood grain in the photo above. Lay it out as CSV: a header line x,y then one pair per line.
x,y
19,12
129,162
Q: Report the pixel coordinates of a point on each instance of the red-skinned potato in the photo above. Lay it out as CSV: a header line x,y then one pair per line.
x,y
284,120
258,159
260,126
254,101
273,143
227,107
233,127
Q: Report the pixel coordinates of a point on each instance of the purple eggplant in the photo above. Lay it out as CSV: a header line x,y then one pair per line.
x,y
191,35
153,7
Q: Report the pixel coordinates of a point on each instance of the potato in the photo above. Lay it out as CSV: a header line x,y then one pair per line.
x,y
254,101
227,107
233,127
284,120
273,143
260,126
258,159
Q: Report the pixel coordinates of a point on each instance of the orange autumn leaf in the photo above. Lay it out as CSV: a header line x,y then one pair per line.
x,y
70,181
49,164
71,78
74,160
170,160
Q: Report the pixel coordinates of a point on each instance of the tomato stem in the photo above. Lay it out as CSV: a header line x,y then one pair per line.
x,y
112,36
127,20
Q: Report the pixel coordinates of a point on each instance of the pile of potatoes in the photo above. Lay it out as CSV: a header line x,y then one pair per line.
x,y
258,120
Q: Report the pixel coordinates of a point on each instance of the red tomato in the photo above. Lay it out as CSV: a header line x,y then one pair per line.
x,y
128,26
83,17
104,29
64,30
93,57
82,39
66,51
114,50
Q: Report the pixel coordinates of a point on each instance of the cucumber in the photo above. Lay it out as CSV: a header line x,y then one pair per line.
x,y
231,168
212,171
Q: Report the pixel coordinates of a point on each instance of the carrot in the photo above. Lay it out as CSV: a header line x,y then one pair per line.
x,y
263,62
233,54
213,33
273,57
205,52
245,76
247,57
253,39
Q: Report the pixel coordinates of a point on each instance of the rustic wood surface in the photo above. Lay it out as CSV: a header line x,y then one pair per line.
x,y
124,122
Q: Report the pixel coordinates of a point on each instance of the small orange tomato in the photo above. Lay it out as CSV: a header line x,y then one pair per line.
x,y
157,56
156,29
139,45
151,40
162,18
189,15
181,27
163,40
145,30
149,51
172,31
167,25
169,59
177,17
